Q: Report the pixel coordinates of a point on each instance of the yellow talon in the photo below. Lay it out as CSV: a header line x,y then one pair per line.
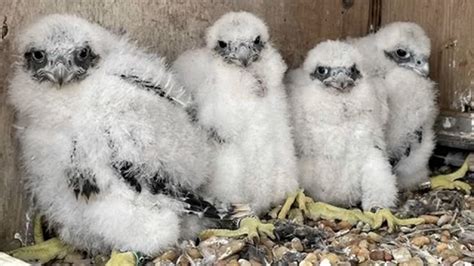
x,y
251,227
301,200
392,221
317,210
449,181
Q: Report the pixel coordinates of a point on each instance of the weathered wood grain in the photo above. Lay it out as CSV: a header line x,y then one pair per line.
x,y
167,27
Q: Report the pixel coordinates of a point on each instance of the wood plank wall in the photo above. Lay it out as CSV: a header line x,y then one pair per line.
x,y
166,27
169,27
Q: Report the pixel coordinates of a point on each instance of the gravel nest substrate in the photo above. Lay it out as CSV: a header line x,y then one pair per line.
x,y
446,239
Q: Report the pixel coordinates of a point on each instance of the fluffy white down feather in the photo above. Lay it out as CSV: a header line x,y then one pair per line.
x,y
100,112
411,99
247,108
338,135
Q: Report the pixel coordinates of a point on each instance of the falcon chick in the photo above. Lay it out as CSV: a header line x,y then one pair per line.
x,y
338,133
397,56
110,155
239,98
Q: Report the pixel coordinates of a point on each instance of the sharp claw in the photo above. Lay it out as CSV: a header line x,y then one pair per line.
x,y
267,230
449,181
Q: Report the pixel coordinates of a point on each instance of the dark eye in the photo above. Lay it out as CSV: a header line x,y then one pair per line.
x,y
354,69
257,40
402,53
222,44
322,70
84,53
37,55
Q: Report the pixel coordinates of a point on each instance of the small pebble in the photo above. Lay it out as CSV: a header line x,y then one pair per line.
x,y
430,219
160,262
444,220
232,262
451,260
363,254
420,241
170,255
445,236
449,253
405,229
310,259
401,254
374,237
194,253
377,255
325,262
279,251
331,257
244,262
416,261
296,244
460,263
363,244
268,243
387,256
354,249
183,260
441,247
343,225
329,223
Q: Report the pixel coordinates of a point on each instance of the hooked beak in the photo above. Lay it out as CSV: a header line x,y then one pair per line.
x,y
423,69
420,66
59,72
341,81
244,55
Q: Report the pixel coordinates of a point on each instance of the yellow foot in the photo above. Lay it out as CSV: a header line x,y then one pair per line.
x,y
122,259
300,198
250,227
382,215
38,229
43,252
320,210
449,181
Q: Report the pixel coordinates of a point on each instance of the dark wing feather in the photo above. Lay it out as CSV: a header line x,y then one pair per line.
x,y
160,183
418,135
148,86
